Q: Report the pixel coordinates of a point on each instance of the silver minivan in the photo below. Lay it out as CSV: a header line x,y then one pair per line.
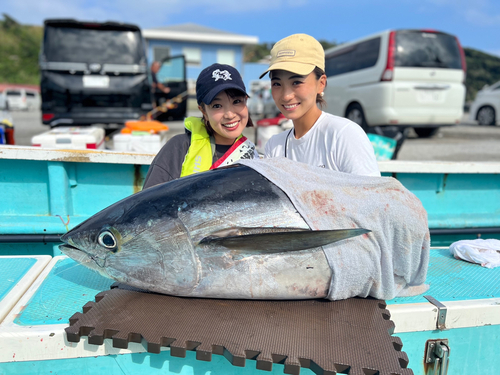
x,y
16,98
33,100
403,78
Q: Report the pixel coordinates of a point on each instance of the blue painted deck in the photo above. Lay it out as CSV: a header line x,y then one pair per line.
x,y
12,271
69,286
66,289
451,279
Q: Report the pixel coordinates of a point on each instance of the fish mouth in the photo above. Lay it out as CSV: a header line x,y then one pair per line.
x,y
68,247
72,251
81,256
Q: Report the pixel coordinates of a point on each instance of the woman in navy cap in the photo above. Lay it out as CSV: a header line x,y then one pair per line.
x,y
213,140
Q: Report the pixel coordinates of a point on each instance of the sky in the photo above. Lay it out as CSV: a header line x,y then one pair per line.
x,y
475,22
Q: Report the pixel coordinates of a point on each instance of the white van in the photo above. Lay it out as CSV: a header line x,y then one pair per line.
x,y
16,98
406,78
33,100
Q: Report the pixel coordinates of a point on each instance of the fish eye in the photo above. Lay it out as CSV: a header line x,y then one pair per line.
x,y
107,240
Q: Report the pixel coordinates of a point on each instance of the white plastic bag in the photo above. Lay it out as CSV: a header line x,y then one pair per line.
x,y
484,252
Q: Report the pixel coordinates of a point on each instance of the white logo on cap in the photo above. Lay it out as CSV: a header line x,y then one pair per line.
x,y
225,75
286,52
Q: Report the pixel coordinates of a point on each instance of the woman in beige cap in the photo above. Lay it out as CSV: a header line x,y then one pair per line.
x,y
297,72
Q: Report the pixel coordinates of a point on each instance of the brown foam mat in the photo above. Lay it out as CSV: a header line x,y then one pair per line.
x,y
351,336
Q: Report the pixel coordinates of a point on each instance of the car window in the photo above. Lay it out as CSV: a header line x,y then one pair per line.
x,y
13,93
67,44
355,57
30,94
339,61
366,53
427,49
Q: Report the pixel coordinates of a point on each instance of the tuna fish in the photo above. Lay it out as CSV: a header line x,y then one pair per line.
x,y
226,233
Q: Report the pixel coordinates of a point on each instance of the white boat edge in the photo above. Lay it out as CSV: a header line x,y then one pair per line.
x,y
120,157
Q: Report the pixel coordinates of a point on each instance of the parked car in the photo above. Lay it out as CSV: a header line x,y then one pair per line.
x,y
404,78
261,104
93,73
486,107
16,98
33,100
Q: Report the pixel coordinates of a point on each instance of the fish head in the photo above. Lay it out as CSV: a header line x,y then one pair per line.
x,y
139,241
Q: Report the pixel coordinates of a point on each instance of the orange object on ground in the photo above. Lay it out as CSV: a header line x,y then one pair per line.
x,y
151,126
147,124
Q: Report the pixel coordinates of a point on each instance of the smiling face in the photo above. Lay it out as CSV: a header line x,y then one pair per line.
x,y
228,116
295,95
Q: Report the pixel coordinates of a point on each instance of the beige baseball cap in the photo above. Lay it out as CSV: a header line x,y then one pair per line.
x,y
297,53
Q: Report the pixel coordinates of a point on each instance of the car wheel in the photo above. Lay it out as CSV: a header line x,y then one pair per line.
x,y
486,116
355,114
426,132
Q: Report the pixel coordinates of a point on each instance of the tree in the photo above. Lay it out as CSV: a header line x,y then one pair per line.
x,y
482,69
19,51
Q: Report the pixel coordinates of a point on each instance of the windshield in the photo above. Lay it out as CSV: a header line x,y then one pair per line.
x,y
66,44
427,49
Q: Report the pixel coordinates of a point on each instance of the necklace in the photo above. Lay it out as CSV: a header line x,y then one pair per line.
x,y
286,140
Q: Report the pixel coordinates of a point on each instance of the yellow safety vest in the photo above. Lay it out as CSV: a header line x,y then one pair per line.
x,y
200,153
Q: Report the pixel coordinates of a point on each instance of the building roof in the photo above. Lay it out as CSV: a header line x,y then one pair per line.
x,y
197,33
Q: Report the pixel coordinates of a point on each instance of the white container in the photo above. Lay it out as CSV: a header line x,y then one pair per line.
x,y
74,137
264,133
149,143
121,142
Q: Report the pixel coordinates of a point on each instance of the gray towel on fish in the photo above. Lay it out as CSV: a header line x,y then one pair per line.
x,y
391,260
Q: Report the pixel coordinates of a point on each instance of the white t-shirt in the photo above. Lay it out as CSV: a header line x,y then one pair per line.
x,y
333,142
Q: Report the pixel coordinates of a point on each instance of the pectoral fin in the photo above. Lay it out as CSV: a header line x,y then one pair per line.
x,y
274,240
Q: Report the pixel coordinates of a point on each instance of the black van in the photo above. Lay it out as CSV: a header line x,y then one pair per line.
x,y
93,73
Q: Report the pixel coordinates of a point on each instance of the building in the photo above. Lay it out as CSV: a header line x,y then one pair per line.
x,y
201,46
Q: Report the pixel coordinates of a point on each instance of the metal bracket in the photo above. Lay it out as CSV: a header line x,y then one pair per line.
x,y
442,310
437,352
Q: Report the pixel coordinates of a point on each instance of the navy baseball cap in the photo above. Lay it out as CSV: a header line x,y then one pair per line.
x,y
217,78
